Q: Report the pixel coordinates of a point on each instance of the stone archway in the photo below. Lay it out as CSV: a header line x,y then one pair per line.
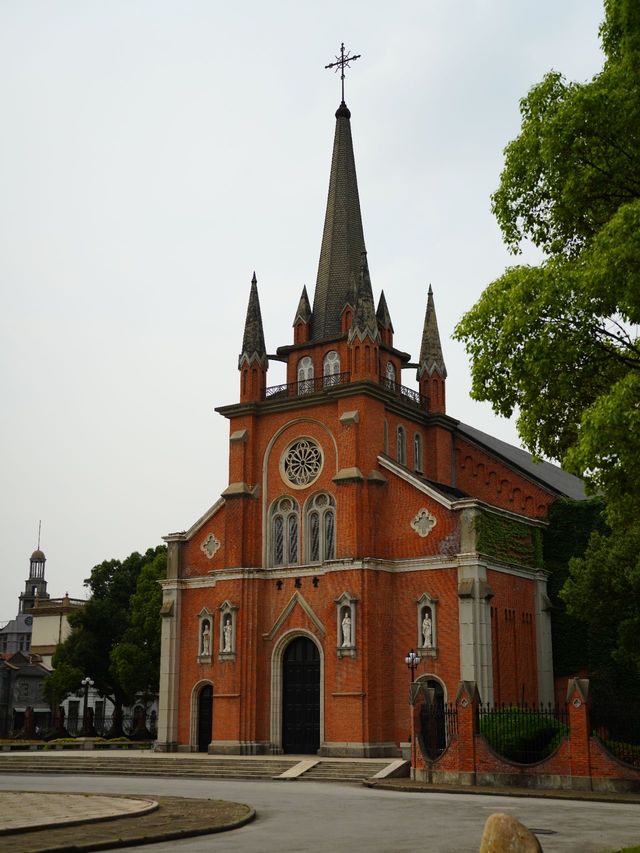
x,y
297,694
202,716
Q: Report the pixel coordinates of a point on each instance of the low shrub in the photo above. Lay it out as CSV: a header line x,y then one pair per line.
x,y
522,735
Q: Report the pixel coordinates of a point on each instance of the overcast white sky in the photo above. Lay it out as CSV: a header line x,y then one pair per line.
x,y
153,153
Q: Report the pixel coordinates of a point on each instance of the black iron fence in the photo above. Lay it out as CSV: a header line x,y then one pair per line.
x,y
523,733
306,386
407,395
438,724
129,725
617,725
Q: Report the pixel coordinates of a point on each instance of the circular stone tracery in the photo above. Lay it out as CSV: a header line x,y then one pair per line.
x,y
302,463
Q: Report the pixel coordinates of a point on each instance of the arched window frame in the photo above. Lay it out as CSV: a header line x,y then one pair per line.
x,y
401,445
417,452
305,375
390,373
205,616
425,602
331,368
228,614
346,603
320,509
289,517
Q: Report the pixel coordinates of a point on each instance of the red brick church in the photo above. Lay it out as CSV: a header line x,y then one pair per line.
x,y
360,521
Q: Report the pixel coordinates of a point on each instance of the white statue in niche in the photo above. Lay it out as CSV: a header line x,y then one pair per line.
x,y
427,629
346,628
227,632
205,642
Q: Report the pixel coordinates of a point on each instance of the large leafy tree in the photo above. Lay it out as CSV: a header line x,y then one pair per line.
x,y
558,342
115,637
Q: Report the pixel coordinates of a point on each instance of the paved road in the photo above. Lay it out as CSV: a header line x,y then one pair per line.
x,y
313,816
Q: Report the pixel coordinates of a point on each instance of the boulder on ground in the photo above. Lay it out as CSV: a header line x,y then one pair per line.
x,y
504,834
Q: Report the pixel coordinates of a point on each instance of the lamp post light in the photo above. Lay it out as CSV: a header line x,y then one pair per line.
x,y
412,660
86,683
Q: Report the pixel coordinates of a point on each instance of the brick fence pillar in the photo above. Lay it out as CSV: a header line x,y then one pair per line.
x,y
579,750
467,702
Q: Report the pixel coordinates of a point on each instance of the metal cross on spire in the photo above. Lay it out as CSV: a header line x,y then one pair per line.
x,y
342,62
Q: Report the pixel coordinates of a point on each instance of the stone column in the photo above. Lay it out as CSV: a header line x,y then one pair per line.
x,y
580,755
544,653
169,654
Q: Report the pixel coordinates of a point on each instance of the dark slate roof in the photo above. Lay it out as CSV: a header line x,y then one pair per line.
x,y
431,358
342,237
382,314
364,316
303,311
544,472
253,346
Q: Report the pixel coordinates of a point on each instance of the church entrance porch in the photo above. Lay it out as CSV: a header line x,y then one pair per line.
x,y
205,710
301,697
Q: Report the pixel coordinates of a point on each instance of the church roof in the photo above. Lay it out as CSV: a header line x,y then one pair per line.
x,y
549,475
38,556
253,346
431,358
342,237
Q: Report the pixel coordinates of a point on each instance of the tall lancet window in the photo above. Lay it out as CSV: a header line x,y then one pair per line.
x,y
284,532
321,528
401,445
331,368
417,451
305,375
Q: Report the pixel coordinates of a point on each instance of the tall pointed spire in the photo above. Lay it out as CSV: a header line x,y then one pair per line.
x,y
432,372
431,358
303,313
364,316
253,346
382,313
342,238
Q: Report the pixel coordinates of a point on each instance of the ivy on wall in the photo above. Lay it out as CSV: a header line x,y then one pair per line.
x,y
509,540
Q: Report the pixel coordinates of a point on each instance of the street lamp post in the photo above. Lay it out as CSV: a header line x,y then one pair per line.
x,y
86,683
412,660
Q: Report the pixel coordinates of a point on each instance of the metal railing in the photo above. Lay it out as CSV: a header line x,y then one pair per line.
x,y
438,724
524,734
306,386
407,395
617,726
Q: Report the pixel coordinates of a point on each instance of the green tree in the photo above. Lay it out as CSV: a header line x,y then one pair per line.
x,y
124,596
558,342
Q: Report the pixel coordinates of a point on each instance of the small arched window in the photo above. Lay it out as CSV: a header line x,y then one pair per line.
x,y
401,445
417,451
321,528
331,368
284,532
305,375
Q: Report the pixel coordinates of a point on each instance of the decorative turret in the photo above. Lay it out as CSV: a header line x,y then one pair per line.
x,y
302,320
253,362
342,238
432,372
385,326
35,586
364,336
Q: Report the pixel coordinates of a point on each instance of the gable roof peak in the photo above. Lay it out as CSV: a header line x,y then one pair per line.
x,y
364,316
303,311
382,313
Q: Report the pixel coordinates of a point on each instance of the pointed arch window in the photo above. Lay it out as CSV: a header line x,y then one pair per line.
x,y
417,452
401,445
320,528
331,368
285,534
305,375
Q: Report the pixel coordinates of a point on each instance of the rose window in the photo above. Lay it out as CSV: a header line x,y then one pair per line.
x,y
302,462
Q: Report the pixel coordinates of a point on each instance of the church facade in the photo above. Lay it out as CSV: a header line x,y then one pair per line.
x,y
361,521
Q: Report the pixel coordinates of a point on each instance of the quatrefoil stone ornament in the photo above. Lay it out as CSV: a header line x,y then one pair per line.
x,y
210,546
423,523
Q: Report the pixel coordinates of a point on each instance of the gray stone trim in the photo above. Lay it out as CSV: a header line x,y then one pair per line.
x,y
239,490
348,418
240,435
544,642
348,475
296,598
474,617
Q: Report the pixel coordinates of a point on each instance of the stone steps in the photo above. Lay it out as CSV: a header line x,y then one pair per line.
x,y
213,767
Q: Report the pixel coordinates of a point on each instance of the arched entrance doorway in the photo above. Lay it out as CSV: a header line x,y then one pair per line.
x,y
434,720
301,697
205,709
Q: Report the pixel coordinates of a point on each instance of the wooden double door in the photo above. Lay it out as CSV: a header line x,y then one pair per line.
x,y
301,697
